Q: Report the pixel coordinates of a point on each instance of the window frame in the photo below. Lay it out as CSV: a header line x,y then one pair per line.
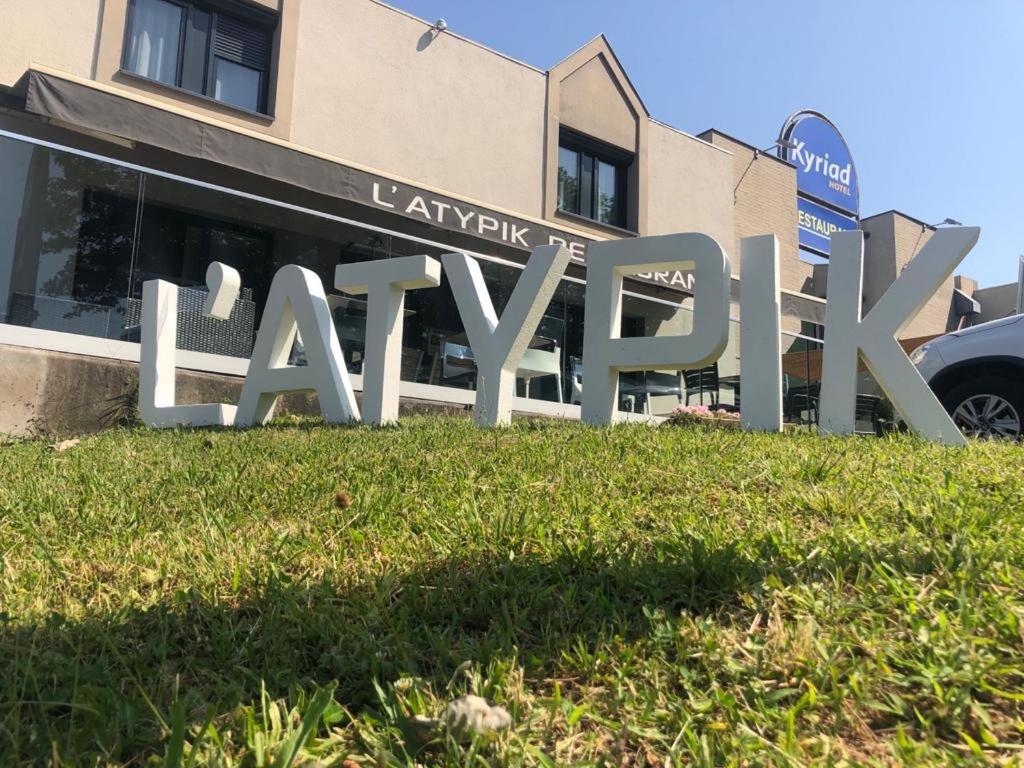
x,y
590,153
265,20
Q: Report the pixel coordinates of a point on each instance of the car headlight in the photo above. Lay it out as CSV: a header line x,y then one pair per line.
x,y
918,354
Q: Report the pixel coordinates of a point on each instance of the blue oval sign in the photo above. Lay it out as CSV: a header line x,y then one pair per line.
x,y
824,167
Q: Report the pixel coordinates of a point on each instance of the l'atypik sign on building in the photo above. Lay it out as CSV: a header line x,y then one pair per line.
x,y
460,216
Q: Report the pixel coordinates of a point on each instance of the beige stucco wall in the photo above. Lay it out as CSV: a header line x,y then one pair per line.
x,y
375,86
86,38
689,188
590,101
369,84
60,33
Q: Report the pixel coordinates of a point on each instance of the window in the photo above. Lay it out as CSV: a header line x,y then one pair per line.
x,y
812,330
201,48
80,235
592,179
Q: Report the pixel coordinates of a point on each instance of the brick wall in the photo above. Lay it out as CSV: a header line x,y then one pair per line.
x,y
765,203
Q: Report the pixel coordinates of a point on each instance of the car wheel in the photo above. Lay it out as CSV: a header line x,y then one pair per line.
x,y
987,408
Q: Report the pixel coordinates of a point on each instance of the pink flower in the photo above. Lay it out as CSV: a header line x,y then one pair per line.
x,y
692,409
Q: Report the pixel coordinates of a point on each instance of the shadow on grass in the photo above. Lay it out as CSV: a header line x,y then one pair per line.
x,y
85,685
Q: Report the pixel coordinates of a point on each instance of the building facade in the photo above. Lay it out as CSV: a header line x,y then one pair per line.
x,y
144,139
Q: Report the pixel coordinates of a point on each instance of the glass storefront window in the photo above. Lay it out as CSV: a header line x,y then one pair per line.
x,y
801,379
658,392
67,235
183,228
79,236
444,354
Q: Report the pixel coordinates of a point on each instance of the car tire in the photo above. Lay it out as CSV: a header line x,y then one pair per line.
x,y
987,407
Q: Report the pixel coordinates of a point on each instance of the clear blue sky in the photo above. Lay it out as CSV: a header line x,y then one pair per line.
x,y
928,94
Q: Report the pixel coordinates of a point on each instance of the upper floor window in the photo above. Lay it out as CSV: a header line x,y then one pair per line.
x,y
202,48
592,179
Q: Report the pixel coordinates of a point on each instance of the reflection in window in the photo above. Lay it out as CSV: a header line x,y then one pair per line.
x,y
66,247
568,179
238,85
185,228
79,237
801,377
592,179
155,39
607,193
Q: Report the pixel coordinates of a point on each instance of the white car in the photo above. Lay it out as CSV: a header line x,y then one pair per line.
x,y
978,374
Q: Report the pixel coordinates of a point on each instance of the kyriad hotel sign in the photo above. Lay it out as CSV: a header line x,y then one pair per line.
x,y
828,196
297,304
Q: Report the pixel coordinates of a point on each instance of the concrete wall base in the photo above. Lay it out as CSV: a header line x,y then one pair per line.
x,y
48,394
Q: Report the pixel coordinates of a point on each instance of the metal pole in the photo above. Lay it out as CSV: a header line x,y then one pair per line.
x,y
1020,285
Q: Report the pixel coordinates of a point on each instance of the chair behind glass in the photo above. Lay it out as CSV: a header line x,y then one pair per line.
x,y
457,364
575,380
701,380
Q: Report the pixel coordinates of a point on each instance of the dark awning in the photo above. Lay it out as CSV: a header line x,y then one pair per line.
x,y
99,110
86,106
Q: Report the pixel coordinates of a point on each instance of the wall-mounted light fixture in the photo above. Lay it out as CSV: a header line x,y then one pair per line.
x,y
780,144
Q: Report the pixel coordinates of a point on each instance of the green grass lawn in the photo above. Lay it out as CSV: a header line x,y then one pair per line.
x,y
633,596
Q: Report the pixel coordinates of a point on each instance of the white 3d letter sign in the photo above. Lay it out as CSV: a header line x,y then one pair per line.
x,y
385,283
760,334
499,346
606,353
296,304
297,307
158,353
874,336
